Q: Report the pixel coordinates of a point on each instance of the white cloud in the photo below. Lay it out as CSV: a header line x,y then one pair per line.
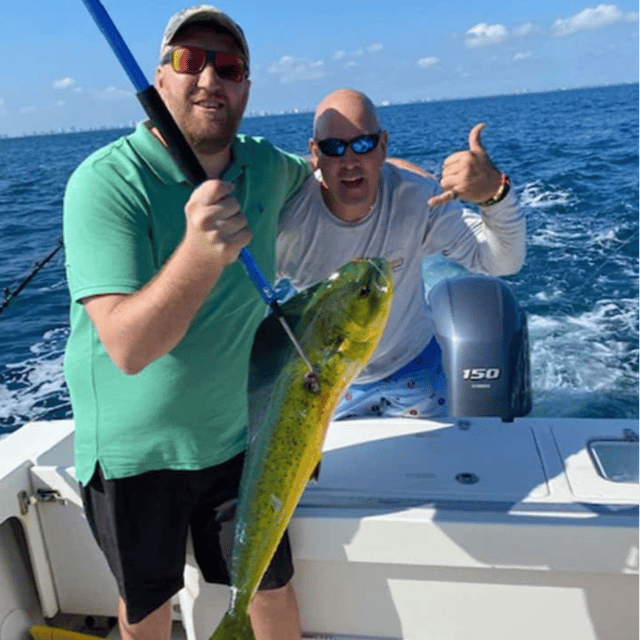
x,y
60,103
525,29
111,93
65,83
351,63
522,55
107,93
375,47
485,34
427,62
291,70
603,15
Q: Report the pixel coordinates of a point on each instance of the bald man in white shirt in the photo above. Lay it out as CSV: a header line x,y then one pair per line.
x,y
357,205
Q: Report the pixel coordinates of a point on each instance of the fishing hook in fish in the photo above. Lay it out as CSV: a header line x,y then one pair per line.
x,y
311,382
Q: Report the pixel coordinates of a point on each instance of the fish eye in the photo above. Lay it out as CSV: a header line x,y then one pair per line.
x,y
365,291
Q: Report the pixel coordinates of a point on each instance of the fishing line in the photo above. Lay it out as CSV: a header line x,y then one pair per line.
x,y
10,295
377,268
607,259
571,309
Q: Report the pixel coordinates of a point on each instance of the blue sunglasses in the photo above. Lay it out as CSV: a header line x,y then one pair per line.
x,y
336,147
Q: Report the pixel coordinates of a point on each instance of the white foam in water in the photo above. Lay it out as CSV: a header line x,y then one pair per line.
x,y
53,342
559,359
61,284
556,234
534,196
36,387
608,238
550,295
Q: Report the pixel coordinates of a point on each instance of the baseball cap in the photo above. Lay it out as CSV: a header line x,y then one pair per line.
x,y
204,13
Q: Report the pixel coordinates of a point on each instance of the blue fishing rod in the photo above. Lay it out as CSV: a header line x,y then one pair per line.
x,y
184,157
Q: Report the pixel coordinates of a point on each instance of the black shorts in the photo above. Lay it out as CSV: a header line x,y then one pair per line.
x,y
141,524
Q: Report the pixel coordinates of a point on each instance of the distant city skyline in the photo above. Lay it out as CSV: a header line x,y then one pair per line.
x,y
68,77
261,114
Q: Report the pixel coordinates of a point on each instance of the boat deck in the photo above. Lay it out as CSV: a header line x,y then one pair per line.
x,y
411,523
105,627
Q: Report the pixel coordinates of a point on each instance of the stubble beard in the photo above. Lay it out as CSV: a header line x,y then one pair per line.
x,y
205,142
201,139
209,145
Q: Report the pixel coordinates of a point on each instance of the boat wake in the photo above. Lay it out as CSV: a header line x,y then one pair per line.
x,y
35,389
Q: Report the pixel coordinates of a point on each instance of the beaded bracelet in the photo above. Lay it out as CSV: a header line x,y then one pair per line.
x,y
501,193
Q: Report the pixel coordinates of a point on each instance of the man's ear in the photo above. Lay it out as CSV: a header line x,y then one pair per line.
x,y
313,149
384,138
159,77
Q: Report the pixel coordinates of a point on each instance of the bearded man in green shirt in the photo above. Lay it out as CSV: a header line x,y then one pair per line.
x,y
162,322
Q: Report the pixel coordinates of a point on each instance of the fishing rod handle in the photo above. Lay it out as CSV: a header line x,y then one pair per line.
x,y
174,139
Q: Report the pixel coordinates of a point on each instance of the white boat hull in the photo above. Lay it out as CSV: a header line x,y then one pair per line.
x,y
416,530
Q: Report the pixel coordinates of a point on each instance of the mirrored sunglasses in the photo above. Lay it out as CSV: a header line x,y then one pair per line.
x,y
192,60
335,147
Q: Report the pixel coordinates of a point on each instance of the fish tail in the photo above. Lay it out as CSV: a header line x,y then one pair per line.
x,y
234,626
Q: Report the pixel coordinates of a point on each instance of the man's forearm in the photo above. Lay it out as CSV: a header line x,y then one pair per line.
x,y
505,233
139,328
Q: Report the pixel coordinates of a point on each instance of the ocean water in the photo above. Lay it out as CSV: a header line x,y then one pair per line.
x,y
573,160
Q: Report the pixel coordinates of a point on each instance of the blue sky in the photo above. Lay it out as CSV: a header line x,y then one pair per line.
x,y
65,75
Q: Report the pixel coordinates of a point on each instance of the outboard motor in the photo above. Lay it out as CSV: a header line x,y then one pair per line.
x,y
482,331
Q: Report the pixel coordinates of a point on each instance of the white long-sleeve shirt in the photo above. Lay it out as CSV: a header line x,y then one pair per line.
x,y
402,228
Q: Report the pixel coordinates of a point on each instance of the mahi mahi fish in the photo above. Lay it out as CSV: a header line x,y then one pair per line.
x,y
338,323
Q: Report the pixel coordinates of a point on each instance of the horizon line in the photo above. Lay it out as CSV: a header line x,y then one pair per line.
x,y
255,114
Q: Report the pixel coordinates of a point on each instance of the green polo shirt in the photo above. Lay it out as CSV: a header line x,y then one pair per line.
x,y
123,218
